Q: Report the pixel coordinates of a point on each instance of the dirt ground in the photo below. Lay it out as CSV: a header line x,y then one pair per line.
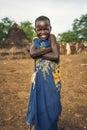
x,y
15,87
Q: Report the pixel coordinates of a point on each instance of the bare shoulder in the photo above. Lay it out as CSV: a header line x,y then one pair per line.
x,y
52,36
52,40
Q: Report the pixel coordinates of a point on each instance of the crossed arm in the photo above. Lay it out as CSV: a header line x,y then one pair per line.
x,y
50,53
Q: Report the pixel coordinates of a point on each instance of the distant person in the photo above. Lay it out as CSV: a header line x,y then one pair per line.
x,y
44,106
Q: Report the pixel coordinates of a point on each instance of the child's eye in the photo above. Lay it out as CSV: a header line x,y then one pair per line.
x,y
39,29
45,29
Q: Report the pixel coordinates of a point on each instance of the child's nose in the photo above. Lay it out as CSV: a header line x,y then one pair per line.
x,y
42,31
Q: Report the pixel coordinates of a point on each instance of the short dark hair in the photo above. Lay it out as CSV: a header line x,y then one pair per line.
x,y
40,18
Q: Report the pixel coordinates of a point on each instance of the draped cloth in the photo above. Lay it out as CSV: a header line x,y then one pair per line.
x,y
44,107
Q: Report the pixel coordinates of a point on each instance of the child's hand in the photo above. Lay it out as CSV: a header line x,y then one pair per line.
x,y
33,77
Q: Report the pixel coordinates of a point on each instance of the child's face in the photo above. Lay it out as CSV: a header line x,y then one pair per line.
x,y
43,29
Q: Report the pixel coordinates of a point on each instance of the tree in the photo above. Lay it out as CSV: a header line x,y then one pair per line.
x,y
69,36
78,32
5,24
28,29
80,27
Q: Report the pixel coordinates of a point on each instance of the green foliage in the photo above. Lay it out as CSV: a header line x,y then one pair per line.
x,y
80,27
78,33
28,29
5,24
69,36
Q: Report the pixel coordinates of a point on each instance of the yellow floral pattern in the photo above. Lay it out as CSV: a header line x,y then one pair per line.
x,y
48,66
56,73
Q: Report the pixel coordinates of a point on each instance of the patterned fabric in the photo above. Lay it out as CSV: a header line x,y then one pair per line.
x,y
44,105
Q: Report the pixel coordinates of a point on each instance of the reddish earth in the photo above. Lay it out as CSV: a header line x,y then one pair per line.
x,y
15,87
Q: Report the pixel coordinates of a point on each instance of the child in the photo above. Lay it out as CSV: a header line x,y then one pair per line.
x,y
44,105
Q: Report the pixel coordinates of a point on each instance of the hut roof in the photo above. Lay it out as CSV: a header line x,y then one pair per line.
x,y
16,37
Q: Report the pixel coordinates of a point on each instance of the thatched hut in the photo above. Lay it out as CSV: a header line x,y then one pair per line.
x,y
16,37
16,43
